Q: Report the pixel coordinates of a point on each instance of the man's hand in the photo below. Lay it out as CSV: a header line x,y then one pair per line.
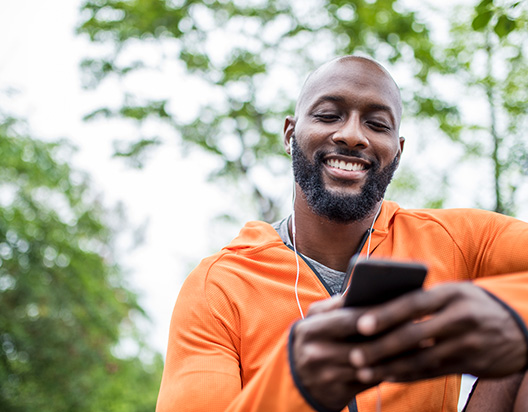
x,y
451,328
321,353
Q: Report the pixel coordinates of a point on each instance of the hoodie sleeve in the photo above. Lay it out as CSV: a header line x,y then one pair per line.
x,y
202,370
501,263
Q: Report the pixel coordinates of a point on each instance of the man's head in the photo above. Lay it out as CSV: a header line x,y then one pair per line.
x,y
346,142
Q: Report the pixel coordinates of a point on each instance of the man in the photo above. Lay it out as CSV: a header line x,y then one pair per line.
x,y
234,344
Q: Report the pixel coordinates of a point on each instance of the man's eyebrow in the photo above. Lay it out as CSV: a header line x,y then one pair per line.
x,y
380,107
328,98
339,99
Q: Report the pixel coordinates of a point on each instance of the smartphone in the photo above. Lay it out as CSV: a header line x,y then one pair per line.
x,y
378,281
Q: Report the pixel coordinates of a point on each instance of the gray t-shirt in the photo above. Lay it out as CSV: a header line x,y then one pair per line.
x,y
333,278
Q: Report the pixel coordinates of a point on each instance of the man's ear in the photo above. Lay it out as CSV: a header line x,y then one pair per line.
x,y
289,131
402,144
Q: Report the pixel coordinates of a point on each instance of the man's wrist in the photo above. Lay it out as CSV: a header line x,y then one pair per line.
x,y
519,322
297,380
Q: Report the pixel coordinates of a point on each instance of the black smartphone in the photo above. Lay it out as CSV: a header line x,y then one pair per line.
x,y
378,281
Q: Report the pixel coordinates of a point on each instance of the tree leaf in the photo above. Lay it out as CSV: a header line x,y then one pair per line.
x,y
482,19
504,26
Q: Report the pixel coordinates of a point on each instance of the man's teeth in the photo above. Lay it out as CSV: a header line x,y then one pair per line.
x,y
341,164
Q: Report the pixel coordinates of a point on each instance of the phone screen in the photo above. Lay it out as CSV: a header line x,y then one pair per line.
x,y
378,281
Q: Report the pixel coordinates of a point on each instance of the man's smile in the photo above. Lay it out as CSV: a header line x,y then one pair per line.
x,y
345,165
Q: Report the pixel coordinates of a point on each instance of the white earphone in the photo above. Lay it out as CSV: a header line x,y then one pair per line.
x,y
294,232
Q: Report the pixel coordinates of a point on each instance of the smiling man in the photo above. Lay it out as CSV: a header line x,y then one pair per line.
x,y
346,151
242,337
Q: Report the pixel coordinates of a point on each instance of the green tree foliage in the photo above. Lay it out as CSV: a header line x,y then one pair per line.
x,y
253,57
488,55
63,302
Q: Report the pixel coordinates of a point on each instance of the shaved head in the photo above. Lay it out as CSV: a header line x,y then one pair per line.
x,y
314,79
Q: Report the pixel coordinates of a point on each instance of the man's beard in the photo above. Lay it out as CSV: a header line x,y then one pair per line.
x,y
339,207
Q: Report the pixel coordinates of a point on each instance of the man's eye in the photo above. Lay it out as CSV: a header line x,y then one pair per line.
x,y
378,125
326,117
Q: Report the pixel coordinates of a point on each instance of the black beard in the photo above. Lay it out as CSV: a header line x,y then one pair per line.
x,y
338,207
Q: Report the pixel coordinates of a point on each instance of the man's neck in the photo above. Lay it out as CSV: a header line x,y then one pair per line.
x,y
330,243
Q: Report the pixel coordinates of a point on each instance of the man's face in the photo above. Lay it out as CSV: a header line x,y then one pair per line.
x,y
346,145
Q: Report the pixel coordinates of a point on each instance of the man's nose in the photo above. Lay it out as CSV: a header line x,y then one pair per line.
x,y
351,133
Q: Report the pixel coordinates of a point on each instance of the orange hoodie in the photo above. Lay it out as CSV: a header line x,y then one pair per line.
x,y
228,343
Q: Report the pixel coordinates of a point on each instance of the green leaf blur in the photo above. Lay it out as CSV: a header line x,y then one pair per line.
x,y
239,49
491,62
64,303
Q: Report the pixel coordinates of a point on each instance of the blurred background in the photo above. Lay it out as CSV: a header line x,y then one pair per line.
x,y
137,136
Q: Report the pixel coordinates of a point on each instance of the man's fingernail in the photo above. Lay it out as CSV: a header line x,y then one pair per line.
x,y
365,375
366,324
357,358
